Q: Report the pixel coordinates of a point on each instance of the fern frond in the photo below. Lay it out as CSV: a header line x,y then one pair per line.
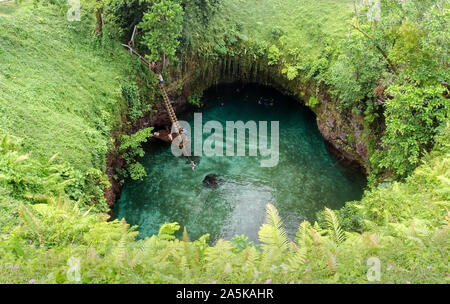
x,y
334,227
120,254
135,260
316,237
273,233
167,230
30,220
331,262
185,235
298,258
303,235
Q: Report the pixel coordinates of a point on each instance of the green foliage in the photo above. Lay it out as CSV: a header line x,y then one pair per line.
x,y
87,187
355,73
312,102
195,99
220,47
272,234
350,218
412,120
130,92
59,92
26,180
319,254
304,24
240,243
273,55
277,32
167,230
396,57
46,203
125,14
359,66
162,24
290,71
137,171
131,146
202,10
336,233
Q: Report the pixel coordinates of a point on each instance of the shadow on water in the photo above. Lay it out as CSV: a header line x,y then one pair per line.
x,y
306,179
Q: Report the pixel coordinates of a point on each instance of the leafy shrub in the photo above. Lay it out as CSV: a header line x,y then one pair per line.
x,y
162,26
87,188
290,71
131,146
273,55
240,243
412,120
312,102
130,92
137,171
220,48
195,99
276,33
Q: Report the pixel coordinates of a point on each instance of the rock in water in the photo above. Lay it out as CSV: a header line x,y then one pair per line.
x,y
212,181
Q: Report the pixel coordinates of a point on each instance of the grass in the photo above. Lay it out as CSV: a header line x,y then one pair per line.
x,y
306,24
59,86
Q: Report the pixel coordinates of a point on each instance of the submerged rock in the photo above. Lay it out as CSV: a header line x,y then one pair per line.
x,y
212,181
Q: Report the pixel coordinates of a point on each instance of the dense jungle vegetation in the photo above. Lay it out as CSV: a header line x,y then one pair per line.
x,y
70,95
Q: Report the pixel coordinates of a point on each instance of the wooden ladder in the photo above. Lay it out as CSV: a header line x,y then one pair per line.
x,y
170,111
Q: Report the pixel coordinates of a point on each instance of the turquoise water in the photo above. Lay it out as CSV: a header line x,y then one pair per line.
x,y
306,179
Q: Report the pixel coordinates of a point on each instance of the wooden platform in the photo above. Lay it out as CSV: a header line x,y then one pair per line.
x,y
164,135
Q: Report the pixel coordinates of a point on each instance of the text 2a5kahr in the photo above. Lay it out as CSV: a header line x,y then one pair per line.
x,y
246,293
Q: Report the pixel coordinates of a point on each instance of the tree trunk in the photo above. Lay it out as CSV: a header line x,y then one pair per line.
x,y
99,25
